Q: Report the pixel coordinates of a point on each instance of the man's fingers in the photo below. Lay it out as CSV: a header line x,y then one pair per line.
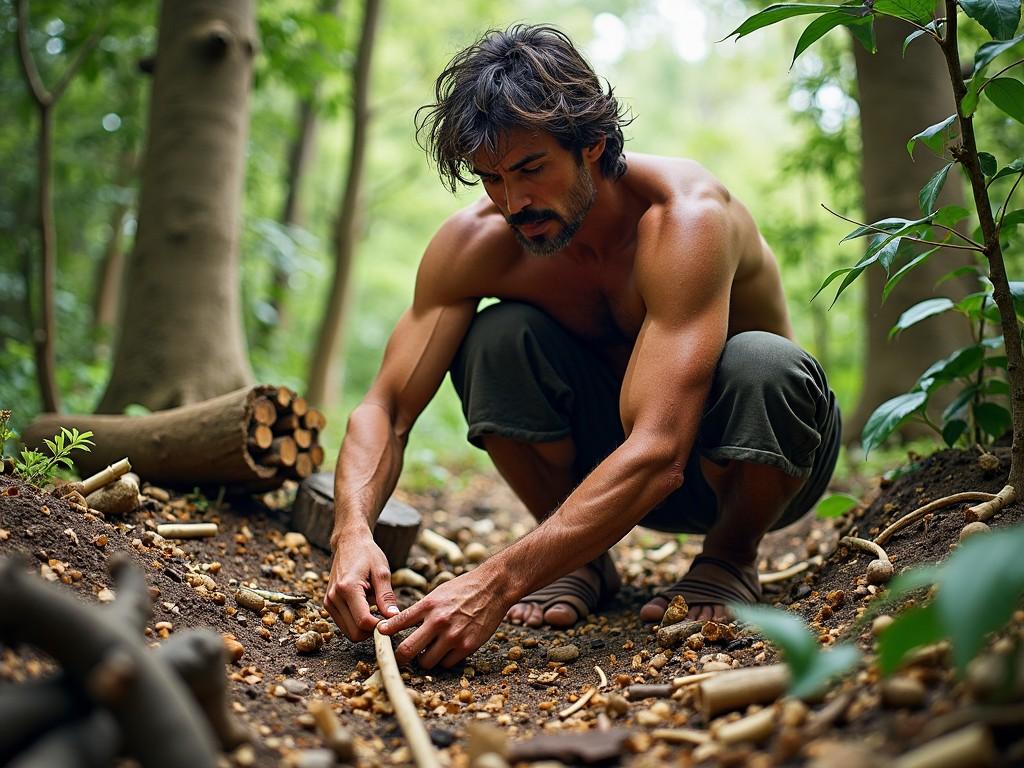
x,y
411,647
339,613
387,604
436,652
359,609
411,616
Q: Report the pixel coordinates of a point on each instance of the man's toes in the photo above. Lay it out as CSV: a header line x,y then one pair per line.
x,y
654,610
701,612
516,613
535,616
561,615
721,614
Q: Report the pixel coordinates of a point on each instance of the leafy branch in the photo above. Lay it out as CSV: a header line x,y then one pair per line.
x,y
38,468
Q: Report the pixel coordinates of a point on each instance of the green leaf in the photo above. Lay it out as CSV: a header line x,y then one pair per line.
x,y
970,269
824,24
993,419
950,215
963,362
934,136
980,586
919,11
893,226
785,630
1007,94
959,403
863,31
971,305
888,417
824,666
988,51
921,311
930,191
988,163
996,361
969,103
911,629
893,281
836,505
887,253
1012,220
952,430
1012,169
782,11
999,17
930,26
996,387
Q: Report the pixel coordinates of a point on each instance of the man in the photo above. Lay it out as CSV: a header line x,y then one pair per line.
x,y
637,370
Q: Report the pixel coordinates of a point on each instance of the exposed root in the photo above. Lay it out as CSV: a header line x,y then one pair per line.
x,y
793,570
880,570
985,510
945,501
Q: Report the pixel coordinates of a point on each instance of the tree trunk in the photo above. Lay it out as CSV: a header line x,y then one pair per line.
x,y
321,388
181,339
110,274
899,97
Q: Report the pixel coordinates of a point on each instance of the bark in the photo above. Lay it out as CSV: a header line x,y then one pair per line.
x,y
898,98
181,340
321,388
203,443
44,334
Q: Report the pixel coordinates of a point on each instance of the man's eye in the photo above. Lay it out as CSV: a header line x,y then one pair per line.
x,y
529,171
488,179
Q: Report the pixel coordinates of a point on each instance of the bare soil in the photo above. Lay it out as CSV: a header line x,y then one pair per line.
x,y
509,682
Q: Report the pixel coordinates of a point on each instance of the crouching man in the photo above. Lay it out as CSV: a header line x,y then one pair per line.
x,y
639,368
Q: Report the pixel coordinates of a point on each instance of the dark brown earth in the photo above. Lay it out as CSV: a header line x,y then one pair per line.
x,y
509,682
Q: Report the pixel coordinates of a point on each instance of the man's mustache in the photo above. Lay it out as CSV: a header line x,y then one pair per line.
x,y
531,217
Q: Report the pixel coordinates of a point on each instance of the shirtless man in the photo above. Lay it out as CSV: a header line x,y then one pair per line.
x,y
638,369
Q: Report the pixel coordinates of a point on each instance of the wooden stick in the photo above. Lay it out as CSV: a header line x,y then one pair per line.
x,y
261,437
755,727
105,476
263,411
187,530
303,438
793,570
299,406
423,752
316,453
967,747
586,697
303,465
880,570
314,419
682,682
650,691
917,514
674,634
436,544
283,453
286,425
283,398
739,687
602,677
681,735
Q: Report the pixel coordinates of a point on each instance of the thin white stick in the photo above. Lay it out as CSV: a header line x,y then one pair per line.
x,y
602,676
920,512
580,704
793,570
105,476
423,752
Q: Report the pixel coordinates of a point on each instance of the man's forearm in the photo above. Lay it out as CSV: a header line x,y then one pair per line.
x,y
603,508
369,464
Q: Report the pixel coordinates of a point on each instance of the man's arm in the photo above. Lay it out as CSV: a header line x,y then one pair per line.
x,y
415,361
684,268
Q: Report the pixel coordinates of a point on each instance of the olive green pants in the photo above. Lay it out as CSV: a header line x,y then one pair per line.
x,y
522,376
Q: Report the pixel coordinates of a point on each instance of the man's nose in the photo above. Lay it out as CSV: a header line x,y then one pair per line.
x,y
515,198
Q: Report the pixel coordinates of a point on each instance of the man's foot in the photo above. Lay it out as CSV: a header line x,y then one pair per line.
x,y
570,598
710,583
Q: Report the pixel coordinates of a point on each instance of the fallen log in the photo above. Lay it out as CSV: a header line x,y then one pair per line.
x,y
223,441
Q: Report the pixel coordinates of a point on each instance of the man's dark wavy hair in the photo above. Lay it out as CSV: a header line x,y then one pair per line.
x,y
528,76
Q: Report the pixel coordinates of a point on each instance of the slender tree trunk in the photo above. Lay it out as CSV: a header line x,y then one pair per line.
x,y
109,278
181,337
898,98
321,388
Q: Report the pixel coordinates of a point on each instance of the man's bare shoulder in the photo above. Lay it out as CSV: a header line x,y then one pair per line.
x,y
468,253
675,182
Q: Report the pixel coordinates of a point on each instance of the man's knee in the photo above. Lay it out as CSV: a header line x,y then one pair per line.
x,y
496,337
758,359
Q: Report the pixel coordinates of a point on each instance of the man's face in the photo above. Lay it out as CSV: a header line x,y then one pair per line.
x,y
543,190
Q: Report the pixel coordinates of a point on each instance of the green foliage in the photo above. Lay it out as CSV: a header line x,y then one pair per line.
x,y
37,468
999,17
6,433
836,505
810,667
976,592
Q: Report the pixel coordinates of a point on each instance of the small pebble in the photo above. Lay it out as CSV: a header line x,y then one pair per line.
x,y
902,692
563,654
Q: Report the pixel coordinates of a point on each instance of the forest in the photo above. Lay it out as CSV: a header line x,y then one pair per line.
x,y
213,217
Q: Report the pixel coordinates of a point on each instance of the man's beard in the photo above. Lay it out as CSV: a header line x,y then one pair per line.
x,y
581,200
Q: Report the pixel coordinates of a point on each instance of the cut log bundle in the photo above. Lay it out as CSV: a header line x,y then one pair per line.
x,y
250,439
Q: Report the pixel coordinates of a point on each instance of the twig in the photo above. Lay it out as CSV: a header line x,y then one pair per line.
x,y
917,514
740,687
793,570
579,704
105,477
187,530
601,675
968,746
682,682
681,735
753,728
423,752
905,237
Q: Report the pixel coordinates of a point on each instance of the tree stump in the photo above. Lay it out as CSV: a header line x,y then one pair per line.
x,y
313,515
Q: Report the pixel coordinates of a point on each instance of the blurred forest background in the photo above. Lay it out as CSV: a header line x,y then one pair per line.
x,y
338,80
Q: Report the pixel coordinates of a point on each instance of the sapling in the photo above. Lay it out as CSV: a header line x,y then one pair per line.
x,y
37,468
954,139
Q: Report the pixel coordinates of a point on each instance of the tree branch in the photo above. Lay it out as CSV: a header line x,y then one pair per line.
x,y
1006,202
76,63
28,64
873,228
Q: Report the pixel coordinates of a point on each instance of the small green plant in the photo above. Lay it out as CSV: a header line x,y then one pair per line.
x,y
975,593
37,468
810,666
6,433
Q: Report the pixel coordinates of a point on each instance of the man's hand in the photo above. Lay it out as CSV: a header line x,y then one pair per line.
x,y
359,577
455,619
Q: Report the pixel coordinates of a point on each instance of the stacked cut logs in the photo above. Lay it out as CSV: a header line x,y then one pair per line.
x,y
250,439
284,433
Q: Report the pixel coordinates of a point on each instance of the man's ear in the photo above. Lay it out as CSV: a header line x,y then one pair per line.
x,y
595,150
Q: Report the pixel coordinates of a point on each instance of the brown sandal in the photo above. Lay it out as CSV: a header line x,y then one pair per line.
x,y
577,592
718,583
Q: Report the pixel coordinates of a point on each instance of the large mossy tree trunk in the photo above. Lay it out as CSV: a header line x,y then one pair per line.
x,y
181,338
900,97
